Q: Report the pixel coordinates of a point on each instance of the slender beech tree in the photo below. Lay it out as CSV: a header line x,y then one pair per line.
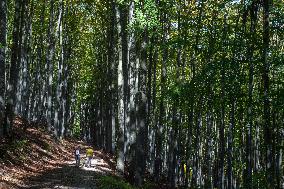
x,y
120,12
253,14
15,64
3,36
268,131
49,62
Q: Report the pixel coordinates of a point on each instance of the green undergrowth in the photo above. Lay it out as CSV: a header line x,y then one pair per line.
x,y
21,143
112,182
14,148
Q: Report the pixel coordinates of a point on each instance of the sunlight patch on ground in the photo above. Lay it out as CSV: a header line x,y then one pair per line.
x,y
68,187
97,165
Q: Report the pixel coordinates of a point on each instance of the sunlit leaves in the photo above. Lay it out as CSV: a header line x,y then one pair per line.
x,y
146,15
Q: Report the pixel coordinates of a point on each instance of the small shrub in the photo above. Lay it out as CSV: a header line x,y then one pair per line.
x,y
46,146
19,144
149,185
108,182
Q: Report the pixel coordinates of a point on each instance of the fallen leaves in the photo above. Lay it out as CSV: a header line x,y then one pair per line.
x,y
39,153
33,152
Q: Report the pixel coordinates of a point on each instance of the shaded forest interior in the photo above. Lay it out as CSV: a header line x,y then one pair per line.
x,y
185,92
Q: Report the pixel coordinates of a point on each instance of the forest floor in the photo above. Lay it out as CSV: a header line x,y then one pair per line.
x,y
35,159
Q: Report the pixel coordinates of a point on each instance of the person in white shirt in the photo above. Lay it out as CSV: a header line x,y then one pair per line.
x,y
77,155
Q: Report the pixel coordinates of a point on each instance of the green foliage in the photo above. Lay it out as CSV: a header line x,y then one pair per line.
x,y
213,40
18,147
258,179
76,129
19,144
46,146
149,185
109,182
146,15
174,92
212,68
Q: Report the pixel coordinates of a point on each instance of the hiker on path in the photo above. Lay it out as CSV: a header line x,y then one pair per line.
x,y
89,155
77,155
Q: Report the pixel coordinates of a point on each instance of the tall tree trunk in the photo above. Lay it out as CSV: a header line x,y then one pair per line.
x,y
40,108
3,35
223,102
133,59
268,131
122,85
248,176
151,110
114,76
58,122
110,72
230,144
161,122
49,62
26,60
14,68
142,128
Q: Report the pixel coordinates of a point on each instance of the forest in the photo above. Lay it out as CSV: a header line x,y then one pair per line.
x,y
184,92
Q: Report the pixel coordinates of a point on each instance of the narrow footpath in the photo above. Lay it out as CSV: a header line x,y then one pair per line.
x,y
69,176
37,160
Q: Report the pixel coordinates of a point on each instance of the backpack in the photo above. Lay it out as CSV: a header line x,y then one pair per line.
x,y
77,152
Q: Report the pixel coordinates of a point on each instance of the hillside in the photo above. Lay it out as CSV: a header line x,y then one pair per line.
x,y
36,159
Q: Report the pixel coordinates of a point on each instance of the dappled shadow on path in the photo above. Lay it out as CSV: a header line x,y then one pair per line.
x,y
65,177
69,176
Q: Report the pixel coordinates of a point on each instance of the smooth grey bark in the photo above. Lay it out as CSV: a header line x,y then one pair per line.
x,y
125,71
249,155
3,43
233,101
58,109
172,153
65,74
30,62
157,161
121,26
230,144
268,131
209,155
173,146
111,72
152,103
96,123
68,88
68,95
132,102
142,127
35,94
49,62
191,147
221,177
102,110
149,105
161,123
14,68
22,70
196,177
27,60
40,107
279,157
